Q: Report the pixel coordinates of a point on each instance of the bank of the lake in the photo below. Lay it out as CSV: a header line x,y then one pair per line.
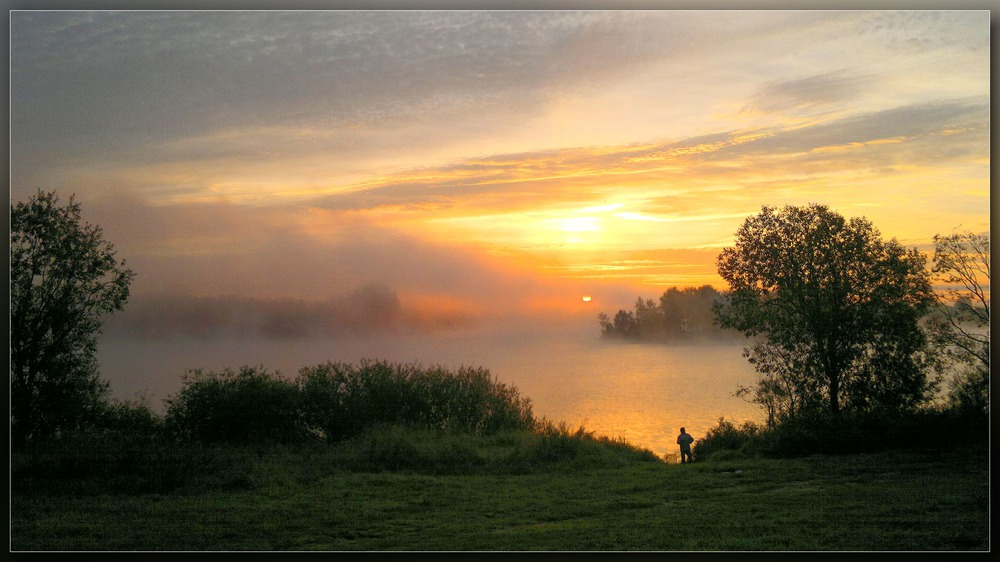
x,y
641,392
889,501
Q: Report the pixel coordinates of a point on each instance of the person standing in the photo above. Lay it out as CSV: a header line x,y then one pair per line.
x,y
685,440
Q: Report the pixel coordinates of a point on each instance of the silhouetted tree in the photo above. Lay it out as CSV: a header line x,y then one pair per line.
x,y
688,311
648,317
64,276
786,386
835,308
679,314
607,326
962,325
625,324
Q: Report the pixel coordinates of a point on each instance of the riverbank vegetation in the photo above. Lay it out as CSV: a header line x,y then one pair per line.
x,y
414,481
373,416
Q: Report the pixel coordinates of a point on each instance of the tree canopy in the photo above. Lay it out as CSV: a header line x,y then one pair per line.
x,y
835,310
64,278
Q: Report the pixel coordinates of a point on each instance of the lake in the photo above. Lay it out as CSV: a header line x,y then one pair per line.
x,y
643,392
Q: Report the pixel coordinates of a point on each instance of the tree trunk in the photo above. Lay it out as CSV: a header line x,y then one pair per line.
x,y
834,393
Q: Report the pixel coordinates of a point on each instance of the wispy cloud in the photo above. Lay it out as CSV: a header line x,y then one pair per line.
x,y
826,89
927,135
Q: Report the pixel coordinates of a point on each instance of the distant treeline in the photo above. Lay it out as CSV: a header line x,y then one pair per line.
x,y
680,314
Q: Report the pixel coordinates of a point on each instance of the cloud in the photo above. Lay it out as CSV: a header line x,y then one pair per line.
x,y
912,135
924,135
908,122
807,93
101,78
250,104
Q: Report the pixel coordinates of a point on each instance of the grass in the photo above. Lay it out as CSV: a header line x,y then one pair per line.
x,y
520,492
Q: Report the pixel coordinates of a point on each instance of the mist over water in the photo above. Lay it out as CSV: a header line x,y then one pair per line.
x,y
642,392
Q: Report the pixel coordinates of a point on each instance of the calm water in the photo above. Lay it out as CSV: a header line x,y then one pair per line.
x,y
642,392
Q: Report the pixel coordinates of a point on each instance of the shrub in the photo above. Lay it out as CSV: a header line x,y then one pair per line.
x,y
818,432
727,436
341,400
129,419
244,406
854,433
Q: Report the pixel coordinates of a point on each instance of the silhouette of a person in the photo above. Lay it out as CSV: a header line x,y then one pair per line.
x,y
685,440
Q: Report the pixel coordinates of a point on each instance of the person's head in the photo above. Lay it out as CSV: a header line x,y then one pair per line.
x,y
682,430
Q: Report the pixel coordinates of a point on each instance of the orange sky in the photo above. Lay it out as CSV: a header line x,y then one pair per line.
x,y
497,163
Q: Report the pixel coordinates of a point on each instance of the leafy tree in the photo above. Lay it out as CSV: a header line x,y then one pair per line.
x,y
962,323
835,309
64,277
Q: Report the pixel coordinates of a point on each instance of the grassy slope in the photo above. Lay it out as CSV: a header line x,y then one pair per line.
x,y
885,501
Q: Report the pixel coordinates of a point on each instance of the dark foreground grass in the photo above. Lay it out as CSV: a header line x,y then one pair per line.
x,y
291,499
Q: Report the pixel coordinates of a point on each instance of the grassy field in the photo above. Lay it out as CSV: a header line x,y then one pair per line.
x,y
291,500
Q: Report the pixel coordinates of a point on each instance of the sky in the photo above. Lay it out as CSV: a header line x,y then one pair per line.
x,y
321,172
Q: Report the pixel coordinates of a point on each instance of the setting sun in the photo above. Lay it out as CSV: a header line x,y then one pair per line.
x,y
587,298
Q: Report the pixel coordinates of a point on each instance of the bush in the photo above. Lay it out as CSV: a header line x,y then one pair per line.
x,y
341,400
337,401
822,433
727,436
245,406
129,419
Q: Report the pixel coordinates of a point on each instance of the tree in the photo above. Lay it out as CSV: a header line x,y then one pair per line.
x,y
607,326
648,318
835,310
680,314
625,324
962,323
64,277
688,311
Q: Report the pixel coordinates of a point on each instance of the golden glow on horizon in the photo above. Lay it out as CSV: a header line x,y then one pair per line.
x,y
560,209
